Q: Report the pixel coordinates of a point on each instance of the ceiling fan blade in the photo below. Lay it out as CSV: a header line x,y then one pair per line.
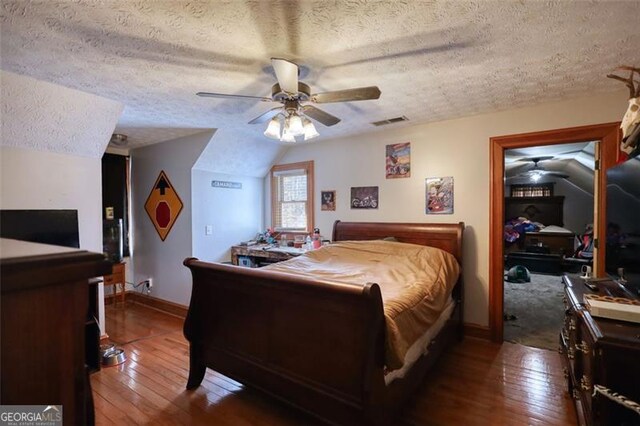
x,y
320,116
536,159
542,172
225,96
359,94
263,118
287,75
557,174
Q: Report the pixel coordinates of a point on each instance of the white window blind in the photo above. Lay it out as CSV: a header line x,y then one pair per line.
x,y
291,198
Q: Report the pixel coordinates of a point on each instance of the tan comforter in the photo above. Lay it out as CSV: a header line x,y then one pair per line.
x,y
415,281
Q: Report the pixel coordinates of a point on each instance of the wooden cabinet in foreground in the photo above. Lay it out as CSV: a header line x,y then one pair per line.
x,y
601,357
45,301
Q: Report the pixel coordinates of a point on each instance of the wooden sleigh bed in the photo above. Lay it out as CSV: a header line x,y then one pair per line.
x,y
317,345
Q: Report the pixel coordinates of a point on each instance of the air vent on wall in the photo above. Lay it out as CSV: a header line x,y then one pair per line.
x,y
390,121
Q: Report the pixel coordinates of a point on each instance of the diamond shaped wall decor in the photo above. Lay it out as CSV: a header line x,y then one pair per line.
x,y
163,205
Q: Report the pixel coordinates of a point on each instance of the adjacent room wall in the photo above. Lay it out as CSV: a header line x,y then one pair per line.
x,y
152,257
234,215
458,148
578,206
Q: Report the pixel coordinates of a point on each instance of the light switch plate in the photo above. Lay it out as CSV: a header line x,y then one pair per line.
x,y
208,230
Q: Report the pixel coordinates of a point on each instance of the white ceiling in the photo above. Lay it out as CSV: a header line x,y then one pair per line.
x,y
432,60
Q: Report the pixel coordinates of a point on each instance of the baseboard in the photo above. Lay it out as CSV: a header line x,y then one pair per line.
x,y
159,304
479,331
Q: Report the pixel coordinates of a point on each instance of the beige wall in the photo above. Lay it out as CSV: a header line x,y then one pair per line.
x,y
458,148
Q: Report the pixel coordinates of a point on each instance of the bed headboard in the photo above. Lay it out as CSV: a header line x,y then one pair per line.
x,y
445,236
546,210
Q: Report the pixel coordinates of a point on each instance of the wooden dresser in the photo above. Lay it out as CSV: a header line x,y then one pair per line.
x,y
599,351
45,300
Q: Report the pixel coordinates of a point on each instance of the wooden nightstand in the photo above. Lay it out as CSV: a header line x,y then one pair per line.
x,y
117,277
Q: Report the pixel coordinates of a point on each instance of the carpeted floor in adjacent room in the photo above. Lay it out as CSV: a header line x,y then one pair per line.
x,y
538,310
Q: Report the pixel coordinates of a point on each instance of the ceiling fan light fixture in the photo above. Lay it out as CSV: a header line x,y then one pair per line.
x,y
273,129
310,131
535,176
294,125
287,137
118,139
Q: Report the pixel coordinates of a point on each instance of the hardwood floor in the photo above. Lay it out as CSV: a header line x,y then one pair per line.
x,y
477,383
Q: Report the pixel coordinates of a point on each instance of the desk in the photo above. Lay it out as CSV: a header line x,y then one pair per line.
x,y
264,253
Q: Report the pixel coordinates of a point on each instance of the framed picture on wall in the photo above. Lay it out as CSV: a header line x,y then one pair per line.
x,y
398,160
439,195
328,200
364,197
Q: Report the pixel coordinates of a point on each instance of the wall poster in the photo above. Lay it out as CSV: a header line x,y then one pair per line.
x,y
328,200
364,197
439,195
398,160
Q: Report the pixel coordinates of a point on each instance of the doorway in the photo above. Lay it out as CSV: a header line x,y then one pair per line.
x,y
608,136
549,208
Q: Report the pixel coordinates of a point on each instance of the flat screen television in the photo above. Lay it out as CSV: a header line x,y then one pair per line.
x,y
623,223
56,227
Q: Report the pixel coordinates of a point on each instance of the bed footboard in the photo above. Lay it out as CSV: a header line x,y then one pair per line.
x,y
318,346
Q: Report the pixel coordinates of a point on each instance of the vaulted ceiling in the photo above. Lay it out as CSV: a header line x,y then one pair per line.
x,y
576,161
432,60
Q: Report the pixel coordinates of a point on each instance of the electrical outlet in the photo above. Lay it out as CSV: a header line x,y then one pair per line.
x,y
148,284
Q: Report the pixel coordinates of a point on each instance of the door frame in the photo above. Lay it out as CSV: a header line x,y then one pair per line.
x,y
609,136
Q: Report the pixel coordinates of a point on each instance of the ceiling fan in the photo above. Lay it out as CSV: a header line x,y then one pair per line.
x,y
292,93
537,172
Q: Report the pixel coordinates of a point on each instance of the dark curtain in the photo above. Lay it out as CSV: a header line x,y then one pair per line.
x,y
115,192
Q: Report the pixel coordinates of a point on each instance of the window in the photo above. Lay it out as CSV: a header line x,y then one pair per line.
x,y
532,190
292,197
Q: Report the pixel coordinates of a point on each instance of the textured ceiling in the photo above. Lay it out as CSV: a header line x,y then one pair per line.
x,y
432,60
46,117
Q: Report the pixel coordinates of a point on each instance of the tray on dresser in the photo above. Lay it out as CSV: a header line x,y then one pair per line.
x,y
617,308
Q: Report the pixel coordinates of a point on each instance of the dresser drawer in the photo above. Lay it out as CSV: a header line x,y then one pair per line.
x,y
585,354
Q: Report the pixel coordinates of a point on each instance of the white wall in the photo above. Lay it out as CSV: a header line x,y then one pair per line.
x,y
234,214
458,148
152,257
43,180
578,206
